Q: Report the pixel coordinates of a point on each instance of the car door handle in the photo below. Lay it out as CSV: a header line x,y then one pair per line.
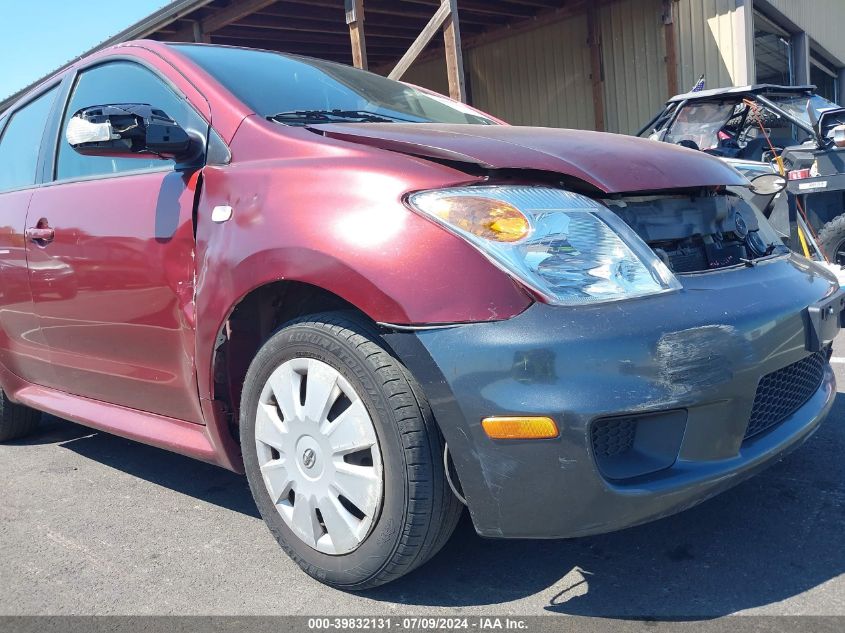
x,y
42,235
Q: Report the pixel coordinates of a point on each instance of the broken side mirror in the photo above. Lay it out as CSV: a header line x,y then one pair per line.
x,y
127,130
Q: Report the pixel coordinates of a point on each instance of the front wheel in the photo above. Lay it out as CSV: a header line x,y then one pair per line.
x,y
342,454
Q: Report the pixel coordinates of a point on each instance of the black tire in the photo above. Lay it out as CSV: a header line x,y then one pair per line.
x,y
418,512
832,239
16,420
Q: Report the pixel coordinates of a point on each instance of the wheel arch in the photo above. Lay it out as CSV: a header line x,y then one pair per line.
x,y
251,320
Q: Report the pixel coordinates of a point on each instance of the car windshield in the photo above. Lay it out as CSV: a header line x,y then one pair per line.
x,y
699,124
799,106
299,90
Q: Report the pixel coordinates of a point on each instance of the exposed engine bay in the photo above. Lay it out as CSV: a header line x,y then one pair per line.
x,y
699,233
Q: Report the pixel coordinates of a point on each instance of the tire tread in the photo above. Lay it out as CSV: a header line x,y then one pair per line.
x,y
831,235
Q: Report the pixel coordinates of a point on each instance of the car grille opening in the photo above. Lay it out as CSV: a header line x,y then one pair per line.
x,y
613,437
782,392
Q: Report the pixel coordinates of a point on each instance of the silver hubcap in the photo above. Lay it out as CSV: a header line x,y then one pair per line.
x,y
319,455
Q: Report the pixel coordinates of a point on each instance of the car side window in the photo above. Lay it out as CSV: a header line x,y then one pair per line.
x,y
21,142
113,83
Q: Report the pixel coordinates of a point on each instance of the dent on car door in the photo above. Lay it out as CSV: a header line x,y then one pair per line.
x,y
22,347
115,300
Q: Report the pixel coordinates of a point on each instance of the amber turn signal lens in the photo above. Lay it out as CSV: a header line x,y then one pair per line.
x,y
485,217
529,428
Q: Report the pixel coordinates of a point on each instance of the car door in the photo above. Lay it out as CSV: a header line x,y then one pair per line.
x,y
23,350
115,302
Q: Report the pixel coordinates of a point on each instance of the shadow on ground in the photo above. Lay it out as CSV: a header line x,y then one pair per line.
x,y
771,538
169,470
767,540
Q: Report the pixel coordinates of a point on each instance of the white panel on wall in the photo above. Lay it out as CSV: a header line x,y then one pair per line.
x,y
706,40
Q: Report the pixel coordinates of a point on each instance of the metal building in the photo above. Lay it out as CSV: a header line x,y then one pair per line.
x,y
595,64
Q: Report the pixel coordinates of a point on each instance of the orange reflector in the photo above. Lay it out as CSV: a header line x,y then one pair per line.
x,y
520,428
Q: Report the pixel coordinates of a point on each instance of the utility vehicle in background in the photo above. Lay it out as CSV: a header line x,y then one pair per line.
x,y
763,129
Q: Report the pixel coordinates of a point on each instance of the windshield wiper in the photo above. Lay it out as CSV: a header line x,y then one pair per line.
x,y
303,117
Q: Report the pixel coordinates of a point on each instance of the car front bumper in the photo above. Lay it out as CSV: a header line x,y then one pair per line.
x,y
688,362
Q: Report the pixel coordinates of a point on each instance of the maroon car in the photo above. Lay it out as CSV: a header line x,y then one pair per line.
x,y
382,304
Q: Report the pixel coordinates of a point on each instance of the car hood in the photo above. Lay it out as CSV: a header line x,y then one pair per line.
x,y
612,163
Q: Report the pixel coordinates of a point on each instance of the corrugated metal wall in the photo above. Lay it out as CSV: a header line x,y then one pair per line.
x,y
541,77
633,56
823,20
705,32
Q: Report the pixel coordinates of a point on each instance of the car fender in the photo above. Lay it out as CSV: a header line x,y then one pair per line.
x,y
338,222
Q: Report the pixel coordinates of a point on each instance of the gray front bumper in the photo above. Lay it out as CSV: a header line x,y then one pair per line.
x,y
702,350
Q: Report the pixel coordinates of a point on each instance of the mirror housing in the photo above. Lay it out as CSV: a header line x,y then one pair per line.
x,y
128,130
826,122
839,136
768,184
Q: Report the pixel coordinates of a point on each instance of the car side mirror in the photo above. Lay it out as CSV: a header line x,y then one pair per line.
x,y
838,134
128,130
768,184
827,124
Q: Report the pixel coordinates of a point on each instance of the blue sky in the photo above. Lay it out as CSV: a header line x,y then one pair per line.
x,y
38,36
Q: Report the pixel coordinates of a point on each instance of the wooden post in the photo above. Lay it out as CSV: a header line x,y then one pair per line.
x,y
355,20
671,47
200,37
596,72
422,40
445,18
454,53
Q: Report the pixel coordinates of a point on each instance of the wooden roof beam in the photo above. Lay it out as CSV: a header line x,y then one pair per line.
x,y
540,4
496,8
224,17
292,41
309,26
325,51
386,16
272,35
391,9
340,54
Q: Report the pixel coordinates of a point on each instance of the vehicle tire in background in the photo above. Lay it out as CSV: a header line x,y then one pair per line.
x,y
343,456
832,240
16,420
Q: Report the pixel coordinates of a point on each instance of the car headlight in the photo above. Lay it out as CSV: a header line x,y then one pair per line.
x,y
565,247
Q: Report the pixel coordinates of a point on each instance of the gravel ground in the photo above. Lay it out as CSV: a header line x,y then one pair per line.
x,y
94,524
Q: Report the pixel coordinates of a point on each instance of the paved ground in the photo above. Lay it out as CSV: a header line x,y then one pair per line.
x,y
94,524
